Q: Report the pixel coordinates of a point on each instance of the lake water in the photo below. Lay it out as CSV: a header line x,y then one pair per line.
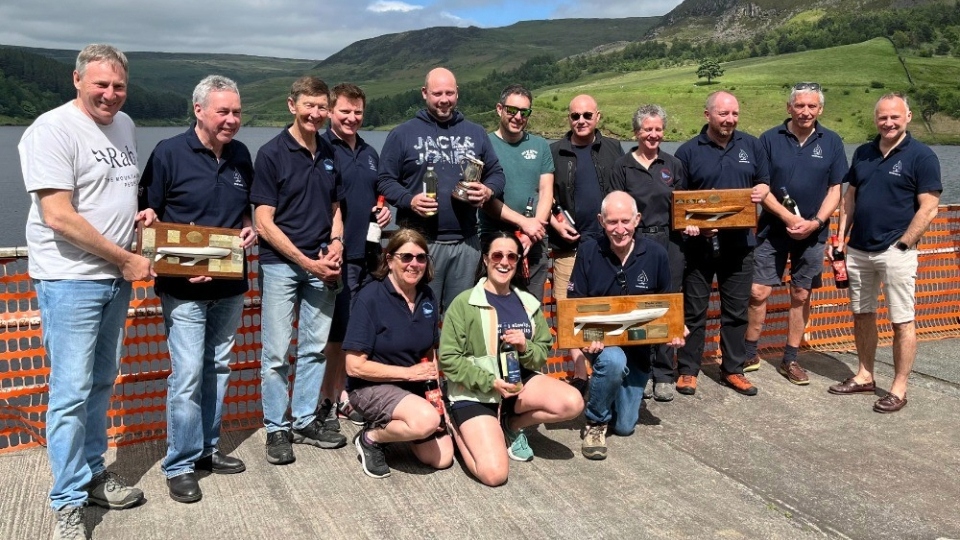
x,y
14,202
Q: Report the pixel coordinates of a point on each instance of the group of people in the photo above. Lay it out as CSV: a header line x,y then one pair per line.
x,y
370,346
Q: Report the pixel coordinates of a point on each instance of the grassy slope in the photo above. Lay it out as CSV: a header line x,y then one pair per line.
x,y
762,86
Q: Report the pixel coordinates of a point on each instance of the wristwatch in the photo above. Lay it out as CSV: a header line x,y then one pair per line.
x,y
902,246
819,222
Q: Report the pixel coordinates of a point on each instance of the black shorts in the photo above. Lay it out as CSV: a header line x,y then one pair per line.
x,y
461,411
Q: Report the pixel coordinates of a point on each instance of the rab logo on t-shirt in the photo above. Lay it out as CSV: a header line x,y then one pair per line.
x,y
744,156
897,168
428,310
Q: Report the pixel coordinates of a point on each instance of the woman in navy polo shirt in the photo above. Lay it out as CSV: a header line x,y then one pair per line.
x,y
498,309
393,325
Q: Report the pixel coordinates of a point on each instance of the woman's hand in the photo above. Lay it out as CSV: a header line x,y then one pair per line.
x,y
516,338
505,389
422,371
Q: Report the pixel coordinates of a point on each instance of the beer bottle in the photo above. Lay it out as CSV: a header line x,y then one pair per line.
x,y
509,364
434,395
839,264
789,203
430,181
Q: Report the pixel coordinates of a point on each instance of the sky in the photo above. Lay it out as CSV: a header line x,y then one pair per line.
x,y
305,29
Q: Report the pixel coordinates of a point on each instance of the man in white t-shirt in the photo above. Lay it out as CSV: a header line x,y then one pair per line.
x,y
79,165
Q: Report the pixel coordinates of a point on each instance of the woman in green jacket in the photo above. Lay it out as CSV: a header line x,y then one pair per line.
x,y
489,414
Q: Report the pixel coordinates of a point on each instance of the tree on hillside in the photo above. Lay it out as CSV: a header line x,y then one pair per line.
x,y
710,69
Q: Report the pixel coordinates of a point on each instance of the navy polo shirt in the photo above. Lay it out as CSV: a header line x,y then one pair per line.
x,y
742,164
586,190
887,190
382,327
358,170
184,182
652,188
302,188
806,171
596,269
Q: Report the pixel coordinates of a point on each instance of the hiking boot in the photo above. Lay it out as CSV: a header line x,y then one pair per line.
x,y
346,410
70,524
108,490
327,413
739,383
687,385
648,389
371,457
663,391
279,449
314,434
794,373
752,364
594,442
518,448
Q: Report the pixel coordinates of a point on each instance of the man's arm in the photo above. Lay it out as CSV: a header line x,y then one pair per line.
x,y
847,206
929,204
268,230
56,208
389,173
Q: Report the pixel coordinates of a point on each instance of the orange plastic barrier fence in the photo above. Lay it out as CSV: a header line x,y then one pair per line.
x,y
137,411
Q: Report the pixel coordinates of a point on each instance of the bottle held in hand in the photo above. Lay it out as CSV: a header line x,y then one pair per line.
x,y
430,181
789,203
510,364
562,215
839,264
434,395
527,212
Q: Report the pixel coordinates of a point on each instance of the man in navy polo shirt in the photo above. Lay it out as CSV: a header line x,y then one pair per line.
x,y
357,163
441,137
297,192
720,158
893,196
616,264
808,161
201,176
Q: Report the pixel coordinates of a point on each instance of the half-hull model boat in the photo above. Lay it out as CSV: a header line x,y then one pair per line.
x,y
196,254
712,214
625,320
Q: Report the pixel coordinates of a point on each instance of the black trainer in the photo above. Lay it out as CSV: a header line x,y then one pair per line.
x,y
314,434
279,449
371,457
328,414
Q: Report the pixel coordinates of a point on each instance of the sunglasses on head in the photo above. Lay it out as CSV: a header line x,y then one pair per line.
x,y
498,256
807,86
586,116
406,258
512,111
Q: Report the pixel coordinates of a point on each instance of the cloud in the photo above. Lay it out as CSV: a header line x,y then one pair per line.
x,y
387,6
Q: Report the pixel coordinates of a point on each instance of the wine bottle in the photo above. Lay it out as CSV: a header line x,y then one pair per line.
x,y
839,264
509,364
527,212
562,215
373,228
715,246
434,395
430,181
789,203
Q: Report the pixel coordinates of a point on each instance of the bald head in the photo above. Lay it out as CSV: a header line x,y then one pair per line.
x,y
440,93
584,115
619,218
722,112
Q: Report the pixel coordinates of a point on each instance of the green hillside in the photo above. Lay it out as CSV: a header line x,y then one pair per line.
x,y
848,75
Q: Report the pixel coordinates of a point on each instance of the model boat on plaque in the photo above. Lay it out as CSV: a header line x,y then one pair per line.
x,y
193,255
714,209
179,249
619,320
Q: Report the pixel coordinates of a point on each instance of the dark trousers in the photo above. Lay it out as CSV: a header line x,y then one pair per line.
x,y
663,367
734,273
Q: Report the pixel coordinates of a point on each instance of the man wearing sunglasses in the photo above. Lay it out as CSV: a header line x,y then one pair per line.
x,y
808,161
720,158
584,161
441,137
893,196
528,168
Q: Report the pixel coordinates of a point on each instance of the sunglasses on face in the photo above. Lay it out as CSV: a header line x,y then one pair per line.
x,y
498,256
406,258
586,116
512,111
807,86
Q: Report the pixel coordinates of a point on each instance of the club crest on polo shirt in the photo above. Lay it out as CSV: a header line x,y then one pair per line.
x,y
643,281
238,180
897,168
428,310
529,153
817,152
371,163
328,165
744,156
666,175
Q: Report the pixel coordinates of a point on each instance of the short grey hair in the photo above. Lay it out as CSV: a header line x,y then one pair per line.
x,y
100,52
794,93
649,111
618,194
892,95
213,83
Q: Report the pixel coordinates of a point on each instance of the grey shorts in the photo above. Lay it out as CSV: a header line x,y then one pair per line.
x,y
770,262
377,402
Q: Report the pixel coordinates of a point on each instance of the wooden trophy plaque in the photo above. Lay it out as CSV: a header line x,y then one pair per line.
x,y
714,209
619,320
178,249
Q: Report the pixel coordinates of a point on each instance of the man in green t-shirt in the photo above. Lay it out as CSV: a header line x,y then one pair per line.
x,y
528,166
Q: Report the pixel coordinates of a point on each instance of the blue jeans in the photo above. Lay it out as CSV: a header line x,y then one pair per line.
x,y
200,336
616,387
82,325
282,287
